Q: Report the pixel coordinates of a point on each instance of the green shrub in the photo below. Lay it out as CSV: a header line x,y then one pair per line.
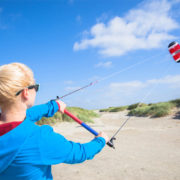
x,y
114,109
139,111
176,102
133,106
82,114
161,109
117,109
105,110
154,110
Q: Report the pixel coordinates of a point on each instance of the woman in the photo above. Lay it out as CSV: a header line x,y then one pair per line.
x,y
27,150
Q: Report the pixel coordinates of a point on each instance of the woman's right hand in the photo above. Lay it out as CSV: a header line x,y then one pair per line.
x,y
62,106
104,135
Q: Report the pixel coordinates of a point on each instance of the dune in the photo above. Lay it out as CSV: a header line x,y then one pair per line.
x,y
145,149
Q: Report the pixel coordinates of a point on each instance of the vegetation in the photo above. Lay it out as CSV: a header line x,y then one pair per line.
x,y
133,106
139,109
175,102
82,114
153,109
114,109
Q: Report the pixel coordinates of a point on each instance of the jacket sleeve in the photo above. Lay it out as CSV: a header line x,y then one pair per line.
x,y
35,113
55,149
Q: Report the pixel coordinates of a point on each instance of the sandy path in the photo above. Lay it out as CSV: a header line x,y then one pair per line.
x,y
146,149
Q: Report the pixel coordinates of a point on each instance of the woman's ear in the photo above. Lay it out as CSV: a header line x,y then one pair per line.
x,y
25,93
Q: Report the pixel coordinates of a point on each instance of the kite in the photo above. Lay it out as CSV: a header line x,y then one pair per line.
x,y
174,49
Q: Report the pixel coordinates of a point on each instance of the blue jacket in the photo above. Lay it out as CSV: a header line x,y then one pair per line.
x,y
28,151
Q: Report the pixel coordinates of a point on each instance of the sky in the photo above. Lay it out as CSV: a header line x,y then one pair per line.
x,y
71,43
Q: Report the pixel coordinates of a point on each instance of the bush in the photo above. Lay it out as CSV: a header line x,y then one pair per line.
x,y
82,114
154,110
114,109
139,111
176,102
161,109
117,109
133,106
106,110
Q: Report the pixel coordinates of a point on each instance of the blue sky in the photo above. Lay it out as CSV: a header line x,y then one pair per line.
x,y
70,43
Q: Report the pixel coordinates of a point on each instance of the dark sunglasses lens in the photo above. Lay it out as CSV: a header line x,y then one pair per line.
x,y
36,87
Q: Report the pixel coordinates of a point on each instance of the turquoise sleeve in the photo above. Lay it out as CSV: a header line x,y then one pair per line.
x,y
56,149
35,113
87,151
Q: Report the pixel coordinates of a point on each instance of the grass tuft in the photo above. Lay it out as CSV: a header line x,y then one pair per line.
x,y
114,109
153,110
133,106
141,109
82,114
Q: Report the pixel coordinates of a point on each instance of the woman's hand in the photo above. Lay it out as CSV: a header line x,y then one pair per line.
x,y
104,135
62,106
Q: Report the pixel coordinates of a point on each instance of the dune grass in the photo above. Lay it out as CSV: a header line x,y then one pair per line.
x,y
83,114
134,106
155,110
114,109
141,109
175,102
122,108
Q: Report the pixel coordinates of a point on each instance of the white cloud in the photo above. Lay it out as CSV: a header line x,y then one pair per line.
x,y
145,27
134,86
71,88
175,1
68,82
103,17
125,88
79,19
70,1
131,84
125,93
94,78
107,64
171,81
1,24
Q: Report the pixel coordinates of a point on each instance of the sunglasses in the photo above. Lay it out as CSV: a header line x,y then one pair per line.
x,y
36,87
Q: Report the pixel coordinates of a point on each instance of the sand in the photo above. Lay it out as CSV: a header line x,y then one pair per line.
x,y
145,149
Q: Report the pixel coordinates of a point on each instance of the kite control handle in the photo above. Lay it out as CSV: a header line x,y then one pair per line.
x,y
110,143
81,122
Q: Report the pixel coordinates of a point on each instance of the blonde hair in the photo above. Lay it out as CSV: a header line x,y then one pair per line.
x,y
13,78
